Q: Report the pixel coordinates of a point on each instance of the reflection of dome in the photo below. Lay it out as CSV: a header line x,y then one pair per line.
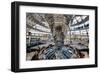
x,y
57,53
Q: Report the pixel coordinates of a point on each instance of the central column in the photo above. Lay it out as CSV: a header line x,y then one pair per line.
x,y
58,31
58,24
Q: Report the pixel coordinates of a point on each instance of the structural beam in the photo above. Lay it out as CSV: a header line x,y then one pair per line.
x,y
83,21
